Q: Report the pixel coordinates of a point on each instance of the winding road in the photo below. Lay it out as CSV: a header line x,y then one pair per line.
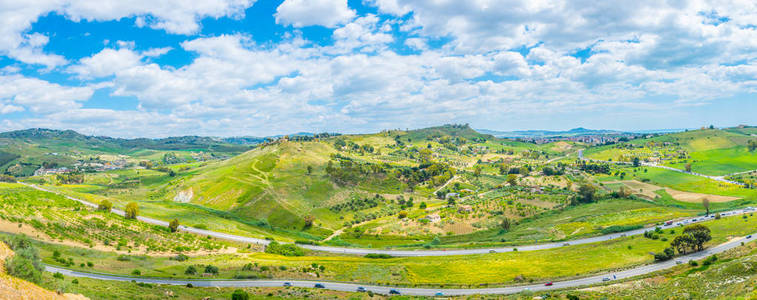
x,y
363,251
351,287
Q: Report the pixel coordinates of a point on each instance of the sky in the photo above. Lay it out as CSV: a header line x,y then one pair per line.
x,y
156,68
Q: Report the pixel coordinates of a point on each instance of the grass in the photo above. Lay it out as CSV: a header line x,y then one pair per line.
x,y
579,221
491,269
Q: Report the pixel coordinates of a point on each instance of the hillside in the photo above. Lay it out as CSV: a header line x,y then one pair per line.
x,y
24,151
12,288
708,151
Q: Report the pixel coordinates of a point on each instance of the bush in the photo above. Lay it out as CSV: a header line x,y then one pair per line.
x,y
131,211
693,263
180,257
210,269
619,228
25,264
58,275
105,205
284,249
136,272
191,270
377,255
174,225
123,257
239,295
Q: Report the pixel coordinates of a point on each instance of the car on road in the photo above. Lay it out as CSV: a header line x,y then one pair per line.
x,y
439,294
319,286
678,262
606,279
394,292
749,236
492,251
548,283
566,244
360,289
287,284
668,223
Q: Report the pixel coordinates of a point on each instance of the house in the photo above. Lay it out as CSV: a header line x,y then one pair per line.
x,y
433,218
451,195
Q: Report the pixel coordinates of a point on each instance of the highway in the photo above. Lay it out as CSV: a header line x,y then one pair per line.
x,y
350,287
363,251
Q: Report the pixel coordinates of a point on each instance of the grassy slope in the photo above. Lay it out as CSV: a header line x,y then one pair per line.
x,y
713,152
497,268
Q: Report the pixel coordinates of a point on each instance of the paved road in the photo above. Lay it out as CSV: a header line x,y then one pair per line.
x,y
361,251
349,287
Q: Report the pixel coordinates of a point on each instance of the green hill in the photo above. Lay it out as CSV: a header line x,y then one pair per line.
x,y
709,151
23,151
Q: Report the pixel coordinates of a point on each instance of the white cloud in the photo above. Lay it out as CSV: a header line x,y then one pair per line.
x,y
173,16
105,63
301,13
40,96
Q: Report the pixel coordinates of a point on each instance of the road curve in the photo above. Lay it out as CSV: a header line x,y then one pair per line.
x,y
363,251
351,287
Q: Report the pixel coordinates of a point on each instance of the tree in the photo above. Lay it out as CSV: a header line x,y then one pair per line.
x,y
310,170
26,263
402,215
706,205
191,270
636,162
174,225
131,211
505,225
699,234
211,269
477,171
688,167
752,145
586,192
422,205
105,205
240,295
512,179
681,243
309,219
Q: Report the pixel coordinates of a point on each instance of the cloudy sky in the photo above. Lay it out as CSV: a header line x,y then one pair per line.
x,y
243,67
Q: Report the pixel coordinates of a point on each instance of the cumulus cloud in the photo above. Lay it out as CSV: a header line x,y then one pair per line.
x,y
301,13
39,96
173,16
414,63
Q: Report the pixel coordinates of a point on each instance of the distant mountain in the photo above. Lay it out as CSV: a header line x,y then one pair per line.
x,y
547,133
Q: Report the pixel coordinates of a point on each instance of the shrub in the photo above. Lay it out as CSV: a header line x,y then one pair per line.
x,y
210,269
191,270
105,205
174,225
377,255
619,228
136,272
693,263
284,249
26,263
75,281
180,257
58,275
131,211
239,295
123,257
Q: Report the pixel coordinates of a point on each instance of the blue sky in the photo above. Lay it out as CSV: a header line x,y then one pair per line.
x,y
243,67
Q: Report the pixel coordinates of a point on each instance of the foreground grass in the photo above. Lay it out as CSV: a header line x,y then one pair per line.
x,y
448,271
